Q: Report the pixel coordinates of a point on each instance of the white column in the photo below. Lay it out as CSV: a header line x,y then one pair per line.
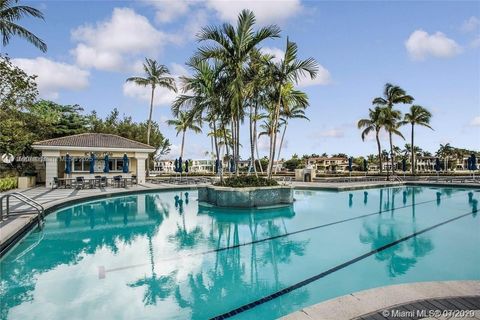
x,y
141,157
51,170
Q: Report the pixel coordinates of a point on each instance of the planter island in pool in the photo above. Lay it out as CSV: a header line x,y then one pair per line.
x,y
250,197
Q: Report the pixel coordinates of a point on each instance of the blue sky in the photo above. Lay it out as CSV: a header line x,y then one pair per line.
x,y
431,49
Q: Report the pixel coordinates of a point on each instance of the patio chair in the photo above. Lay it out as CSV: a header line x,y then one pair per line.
x,y
79,183
56,183
97,180
119,181
134,179
103,182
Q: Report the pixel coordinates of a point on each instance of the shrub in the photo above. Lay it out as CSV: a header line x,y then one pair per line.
x,y
247,181
8,183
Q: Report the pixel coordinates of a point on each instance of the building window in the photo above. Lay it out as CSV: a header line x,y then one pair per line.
x,y
77,165
119,165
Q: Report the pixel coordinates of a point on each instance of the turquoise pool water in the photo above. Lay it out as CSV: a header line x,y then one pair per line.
x,y
161,255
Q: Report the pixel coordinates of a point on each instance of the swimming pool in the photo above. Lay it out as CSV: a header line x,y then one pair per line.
x,y
162,255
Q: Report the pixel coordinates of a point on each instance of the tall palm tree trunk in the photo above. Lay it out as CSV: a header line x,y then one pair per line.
x,y
273,137
412,146
255,137
281,144
217,149
392,155
227,151
149,125
379,151
183,143
237,157
252,144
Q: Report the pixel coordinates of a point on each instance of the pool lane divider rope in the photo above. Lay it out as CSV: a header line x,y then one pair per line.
x,y
102,271
303,283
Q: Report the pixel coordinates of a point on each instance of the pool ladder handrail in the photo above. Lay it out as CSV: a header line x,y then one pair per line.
x,y
24,199
397,178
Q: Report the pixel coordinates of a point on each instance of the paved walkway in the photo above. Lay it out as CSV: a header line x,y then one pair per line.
x,y
381,303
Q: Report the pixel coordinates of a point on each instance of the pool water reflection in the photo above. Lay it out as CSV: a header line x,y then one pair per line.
x,y
161,255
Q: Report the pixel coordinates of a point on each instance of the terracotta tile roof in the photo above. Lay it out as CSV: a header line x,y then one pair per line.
x,y
94,140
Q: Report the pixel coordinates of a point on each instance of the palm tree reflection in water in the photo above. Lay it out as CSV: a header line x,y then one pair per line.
x,y
230,279
403,256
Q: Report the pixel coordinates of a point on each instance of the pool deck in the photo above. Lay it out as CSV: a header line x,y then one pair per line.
x,y
391,301
14,227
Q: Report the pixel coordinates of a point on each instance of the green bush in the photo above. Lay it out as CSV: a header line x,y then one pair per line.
x,y
8,183
247,181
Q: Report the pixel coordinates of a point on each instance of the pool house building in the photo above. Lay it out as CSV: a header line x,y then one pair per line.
x,y
79,150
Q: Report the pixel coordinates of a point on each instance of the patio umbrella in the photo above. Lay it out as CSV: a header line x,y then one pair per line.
x,y
350,162
176,165
404,165
92,163
217,165
469,163
106,167
125,163
232,165
365,165
474,161
68,164
437,164
180,169
186,166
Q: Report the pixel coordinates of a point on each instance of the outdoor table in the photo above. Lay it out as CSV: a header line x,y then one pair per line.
x,y
66,181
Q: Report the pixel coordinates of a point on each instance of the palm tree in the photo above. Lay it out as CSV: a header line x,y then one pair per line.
x,y
391,122
256,81
294,104
373,124
231,46
286,71
444,151
420,116
267,128
185,121
203,95
10,13
392,95
157,75
163,149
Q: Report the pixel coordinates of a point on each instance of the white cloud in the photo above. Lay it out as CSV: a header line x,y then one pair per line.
x,y
106,45
323,78
475,43
332,133
275,52
168,10
162,97
54,76
475,122
266,11
471,24
420,44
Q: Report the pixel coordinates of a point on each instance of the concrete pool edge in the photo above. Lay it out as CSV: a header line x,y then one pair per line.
x,y
365,302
